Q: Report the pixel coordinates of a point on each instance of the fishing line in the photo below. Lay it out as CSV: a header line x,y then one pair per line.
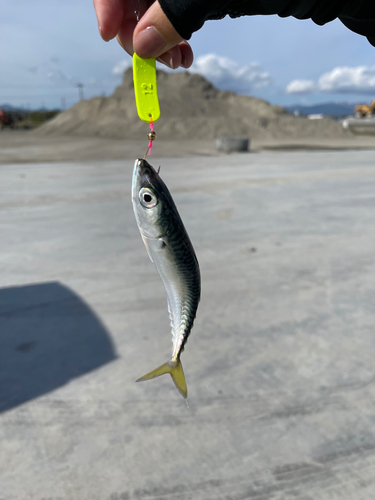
x,y
136,5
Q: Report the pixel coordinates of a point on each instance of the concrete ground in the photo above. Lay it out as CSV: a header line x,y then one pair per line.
x,y
280,363
27,146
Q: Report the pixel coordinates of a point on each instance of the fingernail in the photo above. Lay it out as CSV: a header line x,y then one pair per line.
x,y
101,34
183,61
166,59
148,42
172,63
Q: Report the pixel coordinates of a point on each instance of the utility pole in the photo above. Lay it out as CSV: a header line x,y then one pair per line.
x,y
63,103
43,110
28,107
80,91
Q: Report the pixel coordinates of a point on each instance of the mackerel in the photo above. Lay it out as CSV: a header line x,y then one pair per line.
x,y
169,248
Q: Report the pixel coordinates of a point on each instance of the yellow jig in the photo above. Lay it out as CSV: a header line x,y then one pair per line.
x,y
145,88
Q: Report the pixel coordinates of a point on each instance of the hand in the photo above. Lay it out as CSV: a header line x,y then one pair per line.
x,y
152,36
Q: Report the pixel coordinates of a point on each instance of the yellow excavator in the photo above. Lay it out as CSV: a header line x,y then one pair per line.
x,y
364,120
362,110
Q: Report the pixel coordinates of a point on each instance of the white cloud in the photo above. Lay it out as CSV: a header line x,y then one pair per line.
x,y
229,75
121,67
341,80
221,71
300,87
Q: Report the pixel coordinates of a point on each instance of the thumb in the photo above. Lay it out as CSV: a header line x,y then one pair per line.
x,y
154,34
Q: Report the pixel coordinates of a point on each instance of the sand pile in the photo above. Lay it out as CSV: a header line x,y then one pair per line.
x,y
191,108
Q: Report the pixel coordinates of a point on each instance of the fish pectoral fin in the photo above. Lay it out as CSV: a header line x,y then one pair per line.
x,y
176,372
144,238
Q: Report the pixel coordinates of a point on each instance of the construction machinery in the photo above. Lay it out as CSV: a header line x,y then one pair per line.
x,y
364,120
7,119
363,110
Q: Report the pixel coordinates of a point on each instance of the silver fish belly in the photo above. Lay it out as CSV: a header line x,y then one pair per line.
x,y
172,253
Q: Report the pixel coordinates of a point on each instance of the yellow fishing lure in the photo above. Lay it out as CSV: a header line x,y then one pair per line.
x,y
145,88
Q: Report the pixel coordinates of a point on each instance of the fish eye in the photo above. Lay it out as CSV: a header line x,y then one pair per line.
x,y
147,198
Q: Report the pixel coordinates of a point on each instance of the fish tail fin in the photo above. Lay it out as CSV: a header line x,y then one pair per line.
x,y
176,372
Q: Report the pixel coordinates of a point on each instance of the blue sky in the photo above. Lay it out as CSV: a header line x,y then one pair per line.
x,y
49,46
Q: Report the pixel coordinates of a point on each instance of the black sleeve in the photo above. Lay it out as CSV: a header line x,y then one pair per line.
x,y
360,17
188,16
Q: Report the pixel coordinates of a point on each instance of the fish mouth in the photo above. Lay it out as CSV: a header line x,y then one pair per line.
x,y
144,175
146,169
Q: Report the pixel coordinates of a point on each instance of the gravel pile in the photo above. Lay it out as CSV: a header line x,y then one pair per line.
x,y
191,108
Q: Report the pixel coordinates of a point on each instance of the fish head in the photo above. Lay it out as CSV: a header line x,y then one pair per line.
x,y
149,196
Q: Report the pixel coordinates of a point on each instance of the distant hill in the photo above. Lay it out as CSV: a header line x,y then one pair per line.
x,y
332,109
9,107
20,109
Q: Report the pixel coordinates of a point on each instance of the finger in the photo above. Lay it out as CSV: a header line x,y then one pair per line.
x,y
125,35
154,34
109,14
172,58
133,10
187,55
181,55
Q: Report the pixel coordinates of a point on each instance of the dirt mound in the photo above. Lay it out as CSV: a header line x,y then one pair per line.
x,y
191,108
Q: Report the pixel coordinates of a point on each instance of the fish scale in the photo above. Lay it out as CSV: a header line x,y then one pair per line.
x,y
172,253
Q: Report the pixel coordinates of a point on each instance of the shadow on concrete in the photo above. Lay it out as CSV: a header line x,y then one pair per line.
x,y
48,336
